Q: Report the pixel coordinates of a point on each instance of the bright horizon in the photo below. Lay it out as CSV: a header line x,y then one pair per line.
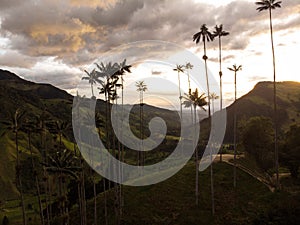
x,y
56,47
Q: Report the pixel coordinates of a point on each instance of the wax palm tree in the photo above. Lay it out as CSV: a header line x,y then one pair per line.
x,y
219,32
63,164
235,69
92,78
30,127
179,69
108,78
141,88
205,35
193,99
270,5
213,97
188,67
124,69
15,124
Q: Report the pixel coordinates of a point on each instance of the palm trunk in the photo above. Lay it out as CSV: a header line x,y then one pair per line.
x,y
108,146
92,90
221,91
207,82
196,163
95,200
142,124
275,104
212,185
36,181
122,146
234,133
180,102
19,179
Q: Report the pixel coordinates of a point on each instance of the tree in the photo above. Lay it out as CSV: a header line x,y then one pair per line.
x,y
213,97
92,78
30,127
188,67
270,5
205,35
235,69
257,140
5,221
290,151
124,69
193,99
63,164
108,78
179,69
141,88
219,32
15,124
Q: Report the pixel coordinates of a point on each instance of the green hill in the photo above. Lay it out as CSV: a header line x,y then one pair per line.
x,y
173,201
169,202
259,102
52,104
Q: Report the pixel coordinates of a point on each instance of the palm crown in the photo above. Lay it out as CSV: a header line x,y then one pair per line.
x,y
219,32
235,68
204,33
193,98
268,5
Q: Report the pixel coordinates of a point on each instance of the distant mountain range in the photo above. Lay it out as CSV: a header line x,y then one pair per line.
x,y
56,104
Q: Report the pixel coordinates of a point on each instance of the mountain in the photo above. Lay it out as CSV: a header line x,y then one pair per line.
x,y
259,102
56,105
52,104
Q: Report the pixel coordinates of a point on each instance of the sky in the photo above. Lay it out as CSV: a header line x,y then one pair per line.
x,y
54,41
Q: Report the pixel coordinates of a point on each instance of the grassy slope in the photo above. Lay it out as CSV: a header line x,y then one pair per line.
x,y
173,201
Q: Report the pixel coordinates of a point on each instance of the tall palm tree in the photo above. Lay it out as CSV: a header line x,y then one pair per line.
x,y
108,77
30,127
188,67
179,69
193,99
213,97
205,35
124,69
235,69
219,32
15,124
269,5
92,78
141,88
63,164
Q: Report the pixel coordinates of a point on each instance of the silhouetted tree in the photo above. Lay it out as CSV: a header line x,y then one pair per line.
x,y
141,88
235,69
193,99
179,69
213,97
92,78
270,5
15,124
290,151
205,35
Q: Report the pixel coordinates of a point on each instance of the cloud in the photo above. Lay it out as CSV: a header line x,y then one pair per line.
x,y
6,4
257,78
77,32
15,59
